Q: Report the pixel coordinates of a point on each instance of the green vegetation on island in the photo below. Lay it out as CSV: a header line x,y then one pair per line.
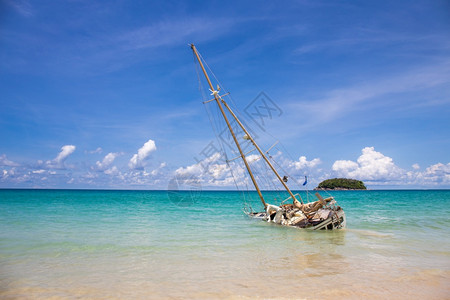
x,y
341,184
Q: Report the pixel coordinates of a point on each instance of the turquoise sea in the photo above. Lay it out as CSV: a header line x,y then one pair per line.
x,y
67,244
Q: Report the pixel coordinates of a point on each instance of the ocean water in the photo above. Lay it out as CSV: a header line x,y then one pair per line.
x,y
70,244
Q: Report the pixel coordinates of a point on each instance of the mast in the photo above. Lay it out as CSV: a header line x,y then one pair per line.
x,y
217,97
260,151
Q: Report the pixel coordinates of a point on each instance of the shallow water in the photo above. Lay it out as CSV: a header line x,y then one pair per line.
x,y
138,244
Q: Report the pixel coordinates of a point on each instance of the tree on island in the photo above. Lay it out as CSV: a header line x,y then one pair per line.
x,y
341,184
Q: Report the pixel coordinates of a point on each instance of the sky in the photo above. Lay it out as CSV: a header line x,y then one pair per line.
x,y
105,94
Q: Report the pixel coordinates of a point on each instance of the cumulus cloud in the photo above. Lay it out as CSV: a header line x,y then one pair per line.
x,y
213,171
138,159
377,168
6,162
253,158
65,152
112,171
297,169
58,161
303,163
8,173
345,166
107,161
199,168
438,173
371,165
158,170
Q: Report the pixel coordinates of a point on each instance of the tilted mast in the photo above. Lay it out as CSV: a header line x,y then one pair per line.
x,y
218,98
260,151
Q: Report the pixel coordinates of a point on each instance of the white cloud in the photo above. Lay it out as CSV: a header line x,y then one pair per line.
x,y
6,162
157,170
376,168
253,158
137,161
199,168
65,152
8,173
98,150
58,161
371,165
38,171
437,173
107,161
213,171
112,171
303,163
345,166
90,175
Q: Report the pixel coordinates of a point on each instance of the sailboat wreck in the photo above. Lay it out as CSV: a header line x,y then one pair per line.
x,y
323,214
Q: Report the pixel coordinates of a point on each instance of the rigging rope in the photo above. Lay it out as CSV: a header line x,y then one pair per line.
x,y
216,124
216,128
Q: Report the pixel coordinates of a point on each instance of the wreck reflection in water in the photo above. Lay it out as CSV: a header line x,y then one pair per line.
x,y
301,253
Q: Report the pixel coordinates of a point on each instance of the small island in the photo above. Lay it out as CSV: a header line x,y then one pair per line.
x,y
341,184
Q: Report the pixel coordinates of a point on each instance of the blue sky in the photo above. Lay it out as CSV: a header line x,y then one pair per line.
x,y
104,94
